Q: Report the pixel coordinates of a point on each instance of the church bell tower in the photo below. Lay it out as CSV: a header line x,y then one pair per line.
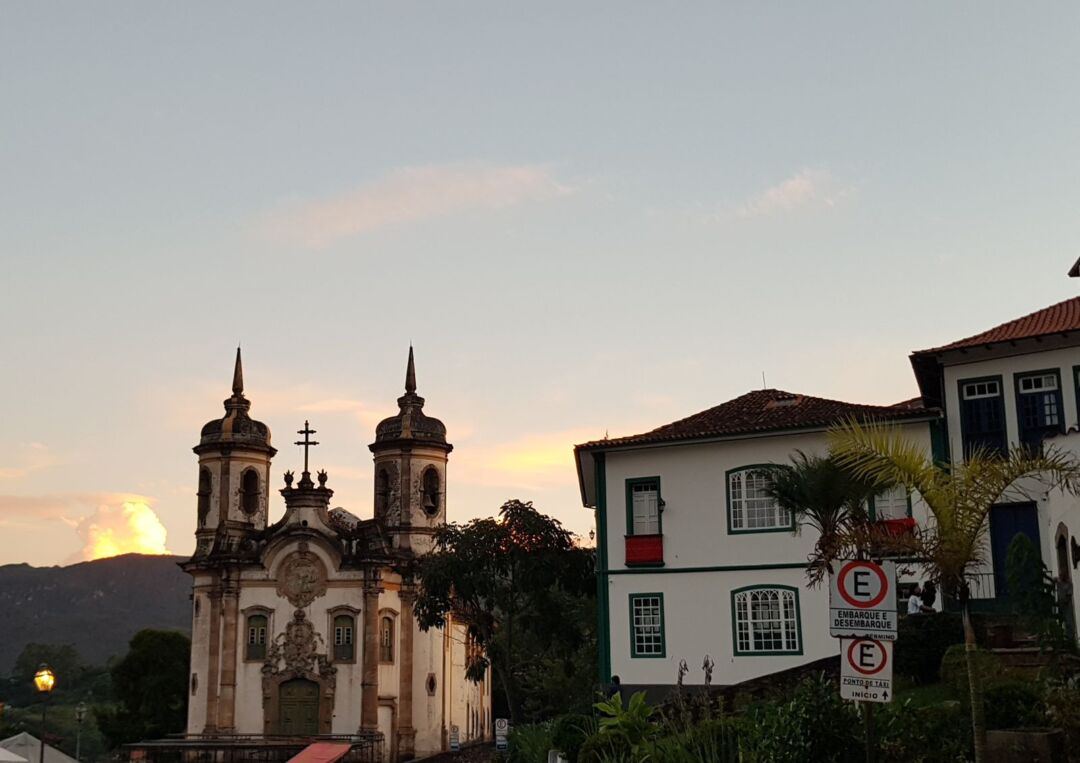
x,y
410,452
234,468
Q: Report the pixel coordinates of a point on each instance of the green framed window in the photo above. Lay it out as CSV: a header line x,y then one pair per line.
x,y
765,620
891,503
1039,410
750,509
982,415
256,637
344,628
647,625
644,506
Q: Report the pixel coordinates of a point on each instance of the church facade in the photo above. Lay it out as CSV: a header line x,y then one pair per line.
x,y
303,626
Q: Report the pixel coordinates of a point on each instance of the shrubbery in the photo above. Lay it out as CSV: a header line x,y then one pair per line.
x,y
921,644
954,669
1013,705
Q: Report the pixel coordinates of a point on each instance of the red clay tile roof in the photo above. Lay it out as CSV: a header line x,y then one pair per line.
x,y
1056,319
766,410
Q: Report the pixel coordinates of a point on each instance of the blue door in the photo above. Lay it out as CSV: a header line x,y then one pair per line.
x,y
1007,520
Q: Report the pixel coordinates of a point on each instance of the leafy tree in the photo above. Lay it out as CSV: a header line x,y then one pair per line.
x,y
959,496
822,494
523,587
1031,593
150,685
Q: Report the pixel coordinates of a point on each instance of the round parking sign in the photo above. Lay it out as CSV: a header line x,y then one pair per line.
x,y
867,657
862,585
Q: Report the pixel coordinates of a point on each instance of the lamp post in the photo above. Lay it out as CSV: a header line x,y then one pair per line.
x,y
44,680
80,716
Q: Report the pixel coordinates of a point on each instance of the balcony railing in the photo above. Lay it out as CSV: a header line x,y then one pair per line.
x,y
644,550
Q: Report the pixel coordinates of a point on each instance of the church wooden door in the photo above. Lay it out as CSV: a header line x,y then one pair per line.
x,y
299,712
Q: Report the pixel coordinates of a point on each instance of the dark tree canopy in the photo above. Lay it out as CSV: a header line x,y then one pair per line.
x,y
150,685
524,588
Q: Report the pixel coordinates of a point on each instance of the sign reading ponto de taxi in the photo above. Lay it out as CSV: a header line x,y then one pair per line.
x,y
866,670
862,600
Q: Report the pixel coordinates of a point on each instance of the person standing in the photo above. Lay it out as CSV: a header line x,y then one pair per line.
x,y
914,602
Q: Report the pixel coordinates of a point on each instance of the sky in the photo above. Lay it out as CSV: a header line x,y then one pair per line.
x,y
587,218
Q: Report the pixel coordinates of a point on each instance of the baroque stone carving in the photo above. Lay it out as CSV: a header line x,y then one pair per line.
x,y
297,652
302,578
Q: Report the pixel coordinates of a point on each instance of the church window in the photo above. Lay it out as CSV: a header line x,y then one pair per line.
x,y
344,627
382,493
750,507
386,639
766,620
249,492
643,506
430,499
204,495
256,637
647,625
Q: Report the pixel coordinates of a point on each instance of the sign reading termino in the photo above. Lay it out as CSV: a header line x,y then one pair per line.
x,y
862,600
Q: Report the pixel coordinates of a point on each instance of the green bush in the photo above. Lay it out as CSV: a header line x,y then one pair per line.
x,y
530,743
1014,705
814,725
570,732
921,644
954,670
938,734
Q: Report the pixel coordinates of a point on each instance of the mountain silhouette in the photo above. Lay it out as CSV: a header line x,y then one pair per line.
x,y
96,606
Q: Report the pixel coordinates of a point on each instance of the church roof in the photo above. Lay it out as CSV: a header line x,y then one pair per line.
x,y
766,410
236,427
411,423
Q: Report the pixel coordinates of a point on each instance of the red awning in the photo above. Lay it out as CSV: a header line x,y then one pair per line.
x,y
322,752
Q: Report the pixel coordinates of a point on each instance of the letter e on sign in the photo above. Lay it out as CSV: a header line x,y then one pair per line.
x,y
862,599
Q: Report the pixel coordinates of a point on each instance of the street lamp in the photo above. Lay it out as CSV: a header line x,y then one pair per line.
x,y
44,680
80,716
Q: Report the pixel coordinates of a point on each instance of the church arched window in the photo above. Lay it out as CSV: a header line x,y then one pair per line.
x,y
256,637
249,491
386,639
382,493
344,646
204,495
430,500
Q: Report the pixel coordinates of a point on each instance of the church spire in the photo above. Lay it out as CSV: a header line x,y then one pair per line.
x,y
238,376
410,373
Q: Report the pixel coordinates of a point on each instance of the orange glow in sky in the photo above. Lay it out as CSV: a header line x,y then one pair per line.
x,y
132,528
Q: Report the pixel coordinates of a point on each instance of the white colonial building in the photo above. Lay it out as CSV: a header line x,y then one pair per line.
x,y
695,559
302,625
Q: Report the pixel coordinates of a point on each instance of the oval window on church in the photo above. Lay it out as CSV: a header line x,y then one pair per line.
x,y
204,495
430,499
249,492
382,493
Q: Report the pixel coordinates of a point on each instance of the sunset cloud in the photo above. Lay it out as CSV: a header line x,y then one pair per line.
x,y
130,528
803,189
413,194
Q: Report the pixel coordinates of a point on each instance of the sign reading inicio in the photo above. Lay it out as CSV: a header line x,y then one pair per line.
x,y
502,729
862,600
866,670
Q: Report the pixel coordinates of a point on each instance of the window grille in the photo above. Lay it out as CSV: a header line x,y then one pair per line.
x,y
767,620
749,504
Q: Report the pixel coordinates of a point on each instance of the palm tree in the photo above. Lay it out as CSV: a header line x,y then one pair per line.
x,y
959,497
820,493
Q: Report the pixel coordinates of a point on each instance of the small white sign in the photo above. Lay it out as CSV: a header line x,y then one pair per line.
x,y
862,600
866,670
502,728
455,739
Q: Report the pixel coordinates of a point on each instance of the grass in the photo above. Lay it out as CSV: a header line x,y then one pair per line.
x,y
923,695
